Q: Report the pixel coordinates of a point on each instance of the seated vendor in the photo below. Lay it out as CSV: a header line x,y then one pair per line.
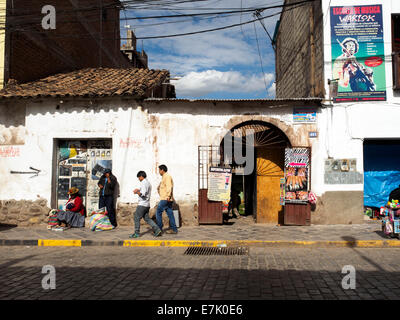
x,y
74,213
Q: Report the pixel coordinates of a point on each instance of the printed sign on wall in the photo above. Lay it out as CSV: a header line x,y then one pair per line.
x,y
358,53
219,184
304,115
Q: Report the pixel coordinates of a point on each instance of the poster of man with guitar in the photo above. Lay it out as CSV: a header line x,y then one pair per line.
x,y
358,53
349,71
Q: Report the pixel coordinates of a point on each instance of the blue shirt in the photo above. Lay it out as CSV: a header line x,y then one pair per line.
x,y
104,187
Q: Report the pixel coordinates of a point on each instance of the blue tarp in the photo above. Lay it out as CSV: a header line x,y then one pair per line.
x,y
378,185
381,171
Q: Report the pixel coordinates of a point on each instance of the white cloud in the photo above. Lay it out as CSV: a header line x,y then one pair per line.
x,y
272,90
204,58
196,84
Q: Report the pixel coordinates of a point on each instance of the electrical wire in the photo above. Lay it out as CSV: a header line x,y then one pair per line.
x,y
259,54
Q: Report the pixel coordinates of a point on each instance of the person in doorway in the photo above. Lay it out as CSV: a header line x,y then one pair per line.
x,y
74,214
165,190
107,184
143,208
235,203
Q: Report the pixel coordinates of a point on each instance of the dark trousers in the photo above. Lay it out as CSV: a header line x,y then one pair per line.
x,y
143,212
108,202
165,205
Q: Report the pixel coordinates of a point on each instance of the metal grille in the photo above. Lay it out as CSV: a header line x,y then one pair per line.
x,y
219,251
208,156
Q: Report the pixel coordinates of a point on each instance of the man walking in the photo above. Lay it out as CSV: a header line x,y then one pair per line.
x,y
107,186
143,208
165,190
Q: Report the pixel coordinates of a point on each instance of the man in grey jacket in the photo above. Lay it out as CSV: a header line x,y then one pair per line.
x,y
143,208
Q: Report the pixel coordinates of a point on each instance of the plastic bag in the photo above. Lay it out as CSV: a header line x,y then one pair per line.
x,y
312,198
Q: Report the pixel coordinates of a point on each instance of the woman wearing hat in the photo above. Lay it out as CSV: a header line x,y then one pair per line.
x,y
74,214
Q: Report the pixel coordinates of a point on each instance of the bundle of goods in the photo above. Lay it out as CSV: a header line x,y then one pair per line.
x,y
290,196
99,220
302,195
99,211
53,221
394,204
312,198
296,182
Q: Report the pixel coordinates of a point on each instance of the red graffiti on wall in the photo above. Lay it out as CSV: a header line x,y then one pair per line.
x,y
129,143
9,152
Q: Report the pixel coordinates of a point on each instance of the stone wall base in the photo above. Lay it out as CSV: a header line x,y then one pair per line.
x,y
187,214
339,207
24,213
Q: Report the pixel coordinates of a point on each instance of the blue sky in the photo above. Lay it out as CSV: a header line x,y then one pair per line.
x,y
216,65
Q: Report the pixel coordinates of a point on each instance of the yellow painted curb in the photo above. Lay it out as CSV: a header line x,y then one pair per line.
x,y
59,243
216,243
393,243
227,243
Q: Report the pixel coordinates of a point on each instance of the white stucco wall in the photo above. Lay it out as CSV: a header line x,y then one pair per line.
x,y
344,126
166,133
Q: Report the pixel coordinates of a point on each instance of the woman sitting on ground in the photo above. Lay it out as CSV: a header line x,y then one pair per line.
x,y
74,213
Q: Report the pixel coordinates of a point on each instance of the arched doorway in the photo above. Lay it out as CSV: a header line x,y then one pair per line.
x,y
261,187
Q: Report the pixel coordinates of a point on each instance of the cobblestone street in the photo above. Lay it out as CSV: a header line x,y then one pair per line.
x,y
166,273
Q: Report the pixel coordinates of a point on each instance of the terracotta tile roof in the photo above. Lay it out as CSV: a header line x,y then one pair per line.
x,y
90,82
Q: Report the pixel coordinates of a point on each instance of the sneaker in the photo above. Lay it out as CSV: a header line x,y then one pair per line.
x,y
135,235
170,231
157,233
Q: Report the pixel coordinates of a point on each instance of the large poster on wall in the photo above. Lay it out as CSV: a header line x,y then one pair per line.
x,y
358,60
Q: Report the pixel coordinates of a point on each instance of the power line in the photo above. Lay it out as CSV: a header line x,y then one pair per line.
x,y
194,32
210,14
259,54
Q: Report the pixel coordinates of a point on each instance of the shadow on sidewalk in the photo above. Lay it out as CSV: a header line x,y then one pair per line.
x,y
4,227
351,244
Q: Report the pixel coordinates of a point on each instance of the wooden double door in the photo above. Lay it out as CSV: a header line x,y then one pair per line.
x,y
269,171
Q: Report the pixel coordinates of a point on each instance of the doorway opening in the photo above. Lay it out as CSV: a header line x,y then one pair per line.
x,y
381,173
256,195
79,163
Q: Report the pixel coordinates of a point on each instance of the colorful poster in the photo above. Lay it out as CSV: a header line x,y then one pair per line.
x,y
297,165
358,61
219,184
304,115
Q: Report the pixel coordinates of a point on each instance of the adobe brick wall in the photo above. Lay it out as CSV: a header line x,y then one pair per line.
x,y
32,58
293,55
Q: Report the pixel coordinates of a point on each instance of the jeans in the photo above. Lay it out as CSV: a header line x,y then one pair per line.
x,y
108,202
167,206
143,212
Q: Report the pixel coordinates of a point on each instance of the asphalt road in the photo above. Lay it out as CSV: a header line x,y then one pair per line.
x,y
166,273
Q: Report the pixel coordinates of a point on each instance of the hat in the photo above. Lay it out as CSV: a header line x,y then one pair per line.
x,y
73,190
107,170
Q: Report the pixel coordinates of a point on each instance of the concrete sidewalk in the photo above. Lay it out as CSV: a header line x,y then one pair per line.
x,y
361,235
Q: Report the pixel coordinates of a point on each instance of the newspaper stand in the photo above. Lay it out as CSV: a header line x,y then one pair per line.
x,y
295,187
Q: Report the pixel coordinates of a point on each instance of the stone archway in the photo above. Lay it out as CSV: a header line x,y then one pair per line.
x,y
261,188
236,121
